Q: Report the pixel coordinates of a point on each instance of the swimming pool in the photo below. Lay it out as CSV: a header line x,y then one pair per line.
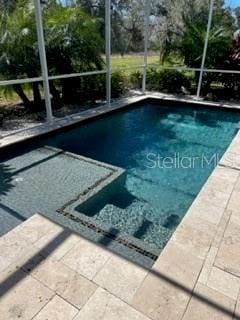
x,y
168,152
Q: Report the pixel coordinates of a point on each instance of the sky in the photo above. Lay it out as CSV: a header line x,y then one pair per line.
x,y
233,3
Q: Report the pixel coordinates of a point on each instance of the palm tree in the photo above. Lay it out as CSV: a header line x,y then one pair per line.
x,y
192,42
18,51
73,44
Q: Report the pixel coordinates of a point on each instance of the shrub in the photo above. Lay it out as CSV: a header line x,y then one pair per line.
x,y
2,116
8,114
136,79
230,81
92,88
170,81
119,84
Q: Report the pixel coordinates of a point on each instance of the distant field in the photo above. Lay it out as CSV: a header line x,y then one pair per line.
x,y
131,60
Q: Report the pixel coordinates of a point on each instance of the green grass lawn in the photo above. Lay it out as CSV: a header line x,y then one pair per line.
x,y
135,60
129,61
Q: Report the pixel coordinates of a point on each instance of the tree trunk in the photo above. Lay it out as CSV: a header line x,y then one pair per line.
x,y
69,90
19,90
57,103
37,100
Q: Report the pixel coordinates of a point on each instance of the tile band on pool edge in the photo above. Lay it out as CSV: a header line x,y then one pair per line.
x,y
109,235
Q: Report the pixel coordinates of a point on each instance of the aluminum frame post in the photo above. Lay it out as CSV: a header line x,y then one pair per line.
x,y
43,59
147,10
108,49
205,48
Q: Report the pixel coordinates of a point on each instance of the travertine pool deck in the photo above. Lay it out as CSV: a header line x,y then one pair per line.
x,y
49,272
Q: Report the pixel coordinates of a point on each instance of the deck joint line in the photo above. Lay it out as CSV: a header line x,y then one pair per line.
x,y
229,167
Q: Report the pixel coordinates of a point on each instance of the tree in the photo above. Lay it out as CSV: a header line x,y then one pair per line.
x,y
231,81
168,23
171,19
191,43
7,6
18,51
128,26
73,44
127,22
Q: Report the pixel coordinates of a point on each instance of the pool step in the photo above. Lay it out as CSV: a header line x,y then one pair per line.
x,y
123,220
156,235
133,222
165,219
146,210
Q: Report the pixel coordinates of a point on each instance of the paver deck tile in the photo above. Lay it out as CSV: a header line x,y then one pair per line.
x,y
160,300
208,264
60,248
103,305
211,194
195,235
15,244
228,257
21,296
234,200
205,210
120,277
235,145
235,217
224,282
221,228
223,179
86,258
12,247
179,265
231,159
31,233
64,281
57,309
215,306
166,291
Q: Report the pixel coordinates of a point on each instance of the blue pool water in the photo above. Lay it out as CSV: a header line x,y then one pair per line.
x,y
156,194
